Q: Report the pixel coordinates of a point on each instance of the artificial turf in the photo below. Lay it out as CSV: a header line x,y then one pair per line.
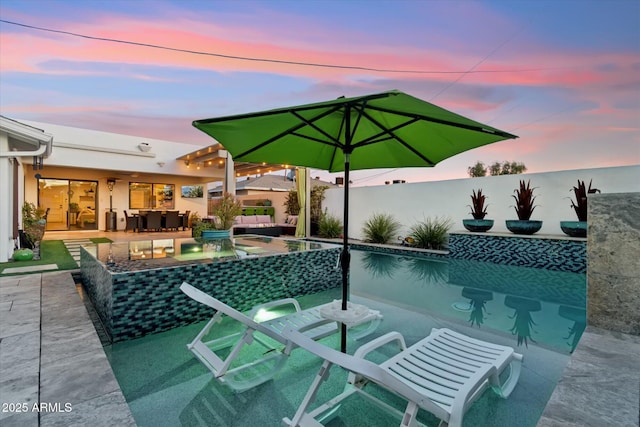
x,y
51,252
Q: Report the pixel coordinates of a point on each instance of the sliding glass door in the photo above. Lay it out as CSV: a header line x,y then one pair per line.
x,y
71,204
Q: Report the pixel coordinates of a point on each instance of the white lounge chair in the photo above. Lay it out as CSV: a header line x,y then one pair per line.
x,y
443,373
260,369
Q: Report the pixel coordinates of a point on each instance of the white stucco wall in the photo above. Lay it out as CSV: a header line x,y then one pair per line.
x,y
413,202
90,146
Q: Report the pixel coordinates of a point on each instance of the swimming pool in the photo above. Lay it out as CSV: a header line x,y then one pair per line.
x,y
165,385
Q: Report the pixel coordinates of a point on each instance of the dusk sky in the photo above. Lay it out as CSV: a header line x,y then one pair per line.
x,y
563,75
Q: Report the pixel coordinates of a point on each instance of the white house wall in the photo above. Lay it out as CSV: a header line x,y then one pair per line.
x,y
413,202
83,148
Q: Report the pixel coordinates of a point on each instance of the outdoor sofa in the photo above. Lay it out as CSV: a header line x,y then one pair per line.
x,y
261,224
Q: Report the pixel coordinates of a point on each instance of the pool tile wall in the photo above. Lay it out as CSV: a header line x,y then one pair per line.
x,y
549,253
134,304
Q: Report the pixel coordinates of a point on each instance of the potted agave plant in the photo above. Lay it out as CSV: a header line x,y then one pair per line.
x,y
524,208
579,228
478,211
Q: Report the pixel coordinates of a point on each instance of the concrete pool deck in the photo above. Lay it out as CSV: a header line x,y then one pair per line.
x,y
50,354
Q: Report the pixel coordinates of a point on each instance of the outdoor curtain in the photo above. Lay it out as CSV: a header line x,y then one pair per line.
x,y
301,175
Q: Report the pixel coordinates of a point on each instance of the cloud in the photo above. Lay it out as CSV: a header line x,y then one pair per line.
x,y
559,97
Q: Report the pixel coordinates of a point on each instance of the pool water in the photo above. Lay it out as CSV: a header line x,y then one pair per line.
x,y
162,253
166,386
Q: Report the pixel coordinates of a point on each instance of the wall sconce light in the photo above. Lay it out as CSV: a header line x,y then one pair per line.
x,y
144,147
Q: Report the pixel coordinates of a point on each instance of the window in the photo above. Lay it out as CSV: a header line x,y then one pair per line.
x,y
143,195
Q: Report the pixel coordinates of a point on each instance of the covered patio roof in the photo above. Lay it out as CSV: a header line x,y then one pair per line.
x,y
215,156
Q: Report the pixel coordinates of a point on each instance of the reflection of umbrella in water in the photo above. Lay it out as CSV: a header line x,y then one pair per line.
x,y
579,317
384,130
523,308
477,300
379,264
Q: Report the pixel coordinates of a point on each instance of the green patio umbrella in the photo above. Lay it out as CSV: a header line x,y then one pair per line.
x,y
383,130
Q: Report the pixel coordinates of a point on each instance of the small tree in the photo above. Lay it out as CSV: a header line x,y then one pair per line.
x,y
507,168
292,206
477,170
317,196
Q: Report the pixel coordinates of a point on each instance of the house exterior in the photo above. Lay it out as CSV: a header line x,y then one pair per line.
x,y
254,191
85,176
18,143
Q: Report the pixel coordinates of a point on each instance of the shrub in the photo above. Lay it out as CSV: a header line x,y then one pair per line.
x,y
380,228
431,233
524,201
330,226
226,209
33,223
194,218
199,227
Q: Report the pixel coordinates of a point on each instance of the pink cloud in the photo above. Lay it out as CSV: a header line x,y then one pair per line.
x,y
591,90
27,53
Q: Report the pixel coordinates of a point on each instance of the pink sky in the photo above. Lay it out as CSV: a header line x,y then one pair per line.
x,y
567,84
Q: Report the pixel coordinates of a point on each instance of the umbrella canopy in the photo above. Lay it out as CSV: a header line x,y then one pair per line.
x,y
383,130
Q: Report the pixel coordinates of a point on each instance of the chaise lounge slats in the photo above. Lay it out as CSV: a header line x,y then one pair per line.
x,y
240,378
443,373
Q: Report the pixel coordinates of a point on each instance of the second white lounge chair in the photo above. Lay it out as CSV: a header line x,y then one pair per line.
x,y
259,369
443,373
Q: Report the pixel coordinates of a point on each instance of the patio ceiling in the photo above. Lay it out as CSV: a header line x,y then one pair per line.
x,y
215,156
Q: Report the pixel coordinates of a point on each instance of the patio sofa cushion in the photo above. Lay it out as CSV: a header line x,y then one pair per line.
x,y
252,221
263,219
292,220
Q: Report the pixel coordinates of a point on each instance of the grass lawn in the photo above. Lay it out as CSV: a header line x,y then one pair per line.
x,y
51,252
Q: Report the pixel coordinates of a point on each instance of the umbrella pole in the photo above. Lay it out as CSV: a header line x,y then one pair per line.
x,y
345,257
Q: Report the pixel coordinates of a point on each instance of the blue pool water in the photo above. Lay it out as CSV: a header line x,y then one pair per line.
x,y
539,313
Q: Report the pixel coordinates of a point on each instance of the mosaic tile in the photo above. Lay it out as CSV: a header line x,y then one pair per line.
x,y
133,304
548,254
